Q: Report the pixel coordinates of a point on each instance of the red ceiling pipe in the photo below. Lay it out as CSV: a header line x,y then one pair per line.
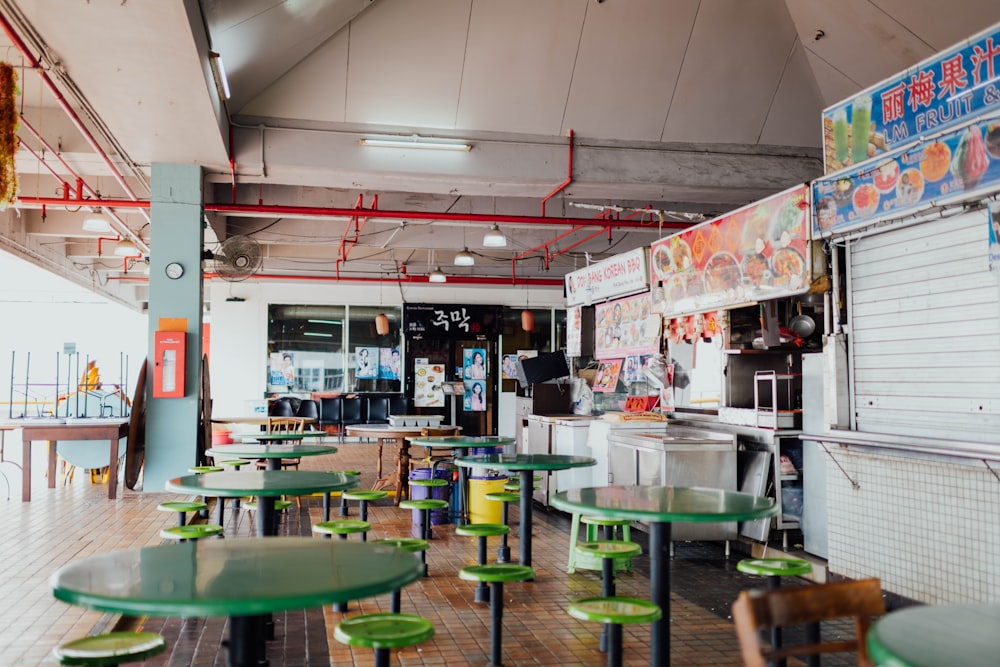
x,y
106,238
456,280
569,177
64,104
52,171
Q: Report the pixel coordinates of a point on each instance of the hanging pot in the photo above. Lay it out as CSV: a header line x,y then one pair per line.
x,y
803,325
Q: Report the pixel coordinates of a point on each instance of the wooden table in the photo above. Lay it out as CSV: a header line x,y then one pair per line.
x,y
235,578
111,430
390,434
940,635
660,506
526,465
266,485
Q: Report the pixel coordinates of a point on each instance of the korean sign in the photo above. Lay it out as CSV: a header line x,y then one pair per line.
x,y
452,321
943,91
616,276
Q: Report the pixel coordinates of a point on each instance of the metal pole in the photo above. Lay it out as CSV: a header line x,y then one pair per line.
x,y
526,491
659,587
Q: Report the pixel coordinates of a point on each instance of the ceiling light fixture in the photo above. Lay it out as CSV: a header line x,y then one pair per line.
x,y
464,258
416,141
437,276
494,238
219,73
126,248
95,221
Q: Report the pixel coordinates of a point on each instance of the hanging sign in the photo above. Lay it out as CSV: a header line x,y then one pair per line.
x,y
626,327
940,92
452,321
622,274
755,253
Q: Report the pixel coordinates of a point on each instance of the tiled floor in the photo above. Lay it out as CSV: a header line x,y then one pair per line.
x,y
76,520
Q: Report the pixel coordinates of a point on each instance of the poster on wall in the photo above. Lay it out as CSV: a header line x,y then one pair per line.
x,y
631,368
427,392
281,369
606,378
366,359
474,363
574,331
508,369
388,363
667,392
626,326
475,396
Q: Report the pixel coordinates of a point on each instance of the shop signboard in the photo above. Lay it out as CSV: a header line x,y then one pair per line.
x,y
456,321
625,327
957,164
943,91
755,253
616,276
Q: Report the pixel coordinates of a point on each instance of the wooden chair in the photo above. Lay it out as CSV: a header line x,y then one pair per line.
x,y
284,425
437,453
757,610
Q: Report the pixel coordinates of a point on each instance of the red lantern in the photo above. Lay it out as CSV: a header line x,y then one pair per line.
x,y
381,324
527,320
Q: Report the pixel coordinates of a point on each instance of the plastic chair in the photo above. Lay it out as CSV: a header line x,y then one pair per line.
x,y
410,545
399,405
609,527
194,531
481,531
757,610
614,612
350,413
281,407
182,507
329,413
378,410
384,632
495,574
112,648
308,409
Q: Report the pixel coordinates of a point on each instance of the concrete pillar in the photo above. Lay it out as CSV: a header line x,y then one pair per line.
x,y
176,236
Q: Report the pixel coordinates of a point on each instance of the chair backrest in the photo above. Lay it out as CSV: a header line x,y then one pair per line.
x,y
350,410
281,407
399,405
285,425
378,409
329,410
757,610
442,430
309,409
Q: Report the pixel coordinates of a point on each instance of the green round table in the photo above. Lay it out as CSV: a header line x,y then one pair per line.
x,y
937,636
525,465
660,506
273,453
278,437
266,485
241,579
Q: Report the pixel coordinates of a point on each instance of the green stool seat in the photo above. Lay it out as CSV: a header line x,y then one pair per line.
x,y
585,561
363,496
234,463
182,507
495,574
278,505
481,531
194,531
609,552
113,648
425,505
412,545
614,612
343,500
429,482
774,569
505,497
199,470
384,632
342,527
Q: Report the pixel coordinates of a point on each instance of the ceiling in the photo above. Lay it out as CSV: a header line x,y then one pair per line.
x,y
595,126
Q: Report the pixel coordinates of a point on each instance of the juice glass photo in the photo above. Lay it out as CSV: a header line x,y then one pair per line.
x,y
861,127
840,135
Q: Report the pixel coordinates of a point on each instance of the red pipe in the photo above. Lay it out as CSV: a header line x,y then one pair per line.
x,y
569,177
106,238
456,280
47,166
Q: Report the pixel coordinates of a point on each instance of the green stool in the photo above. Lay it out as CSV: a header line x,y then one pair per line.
x,y
363,496
585,561
182,507
279,506
200,470
234,463
505,497
609,552
495,574
481,531
429,484
514,483
412,545
343,500
113,648
384,632
774,569
614,612
194,531
425,505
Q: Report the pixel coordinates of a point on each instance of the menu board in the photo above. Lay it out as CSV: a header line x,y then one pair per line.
x,y
955,164
427,392
943,91
755,253
626,327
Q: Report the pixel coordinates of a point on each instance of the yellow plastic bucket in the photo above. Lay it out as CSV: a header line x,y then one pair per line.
x,y
482,510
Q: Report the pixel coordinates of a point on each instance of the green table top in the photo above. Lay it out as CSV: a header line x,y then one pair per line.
x,y
462,441
234,577
275,437
233,484
270,451
937,636
665,504
526,461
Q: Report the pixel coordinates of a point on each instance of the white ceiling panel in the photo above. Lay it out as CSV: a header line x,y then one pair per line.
x,y
940,24
833,84
630,58
794,117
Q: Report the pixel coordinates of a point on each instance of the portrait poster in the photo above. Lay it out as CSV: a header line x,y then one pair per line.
x,y
606,378
474,363
667,392
475,396
508,369
631,368
574,331
281,369
366,362
388,363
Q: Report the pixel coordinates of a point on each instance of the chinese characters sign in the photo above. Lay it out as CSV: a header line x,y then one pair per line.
x,y
755,253
616,276
949,88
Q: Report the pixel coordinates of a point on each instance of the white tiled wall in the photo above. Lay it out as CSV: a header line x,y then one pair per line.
x,y
930,530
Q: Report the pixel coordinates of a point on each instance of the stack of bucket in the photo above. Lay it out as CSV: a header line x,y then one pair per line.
x,y
420,493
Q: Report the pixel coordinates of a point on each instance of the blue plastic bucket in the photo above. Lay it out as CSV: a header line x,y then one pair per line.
x,y
439,493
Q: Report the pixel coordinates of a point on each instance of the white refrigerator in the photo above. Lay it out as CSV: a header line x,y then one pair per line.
x,y
597,443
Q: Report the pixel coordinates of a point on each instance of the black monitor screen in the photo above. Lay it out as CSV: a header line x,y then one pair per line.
x,y
546,366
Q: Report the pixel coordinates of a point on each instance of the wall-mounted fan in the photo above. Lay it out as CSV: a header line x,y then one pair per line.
x,y
238,258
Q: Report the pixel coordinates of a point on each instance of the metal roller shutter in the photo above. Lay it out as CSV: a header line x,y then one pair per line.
x,y
925,331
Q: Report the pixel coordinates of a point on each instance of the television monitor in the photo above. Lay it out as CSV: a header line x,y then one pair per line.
x,y
546,366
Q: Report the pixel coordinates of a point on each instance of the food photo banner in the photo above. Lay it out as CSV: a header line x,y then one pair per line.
x,y
960,163
943,91
622,274
626,326
755,253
